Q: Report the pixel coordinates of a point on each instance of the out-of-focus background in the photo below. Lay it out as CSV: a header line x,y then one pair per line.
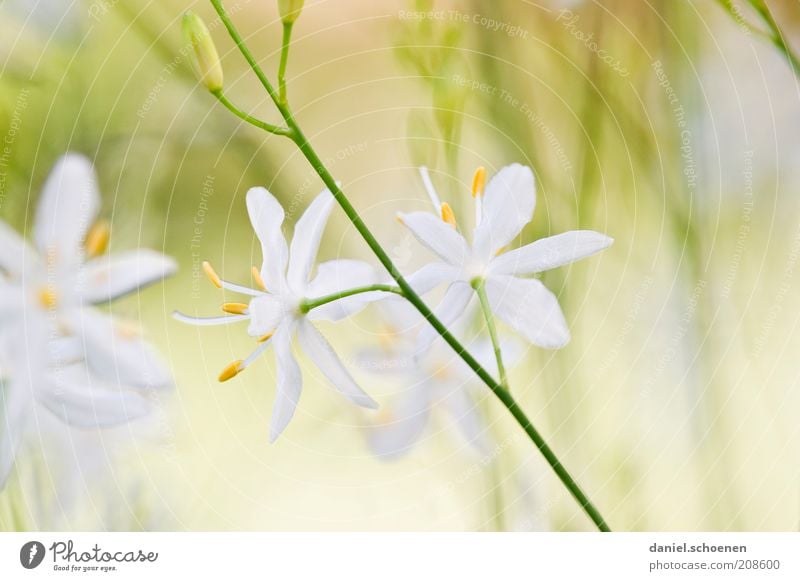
x,y
671,126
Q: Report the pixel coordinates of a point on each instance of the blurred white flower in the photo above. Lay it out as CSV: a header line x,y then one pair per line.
x,y
56,349
500,214
434,379
276,312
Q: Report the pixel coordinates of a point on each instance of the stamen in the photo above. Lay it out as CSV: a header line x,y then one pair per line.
x,y
208,321
448,215
231,371
212,274
399,218
501,250
234,308
478,182
97,239
266,337
258,279
48,298
426,180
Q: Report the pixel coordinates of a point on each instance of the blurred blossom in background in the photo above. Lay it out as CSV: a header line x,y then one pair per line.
x,y
669,126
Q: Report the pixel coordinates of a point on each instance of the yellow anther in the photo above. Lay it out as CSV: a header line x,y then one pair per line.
x,y
212,274
258,279
266,337
48,298
399,218
234,308
478,182
448,215
231,371
97,238
501,250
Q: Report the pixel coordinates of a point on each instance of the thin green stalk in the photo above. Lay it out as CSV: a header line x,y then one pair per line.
x,y
310,304
480,288
410,294
268,127
287,35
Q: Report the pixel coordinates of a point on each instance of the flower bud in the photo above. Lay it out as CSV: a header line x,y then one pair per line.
x,y
290,10
206,60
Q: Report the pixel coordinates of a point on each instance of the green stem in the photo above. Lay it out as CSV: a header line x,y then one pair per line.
x,y
309,304
480,288
287,35
410,294
268,127
778,38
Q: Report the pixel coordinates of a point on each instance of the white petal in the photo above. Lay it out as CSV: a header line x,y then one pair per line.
x,y
508,205
453,305
290,382
117,356
14,251
82,400
305,242
336,276
530,308
402,424
550,252
209,321
323,356
66,210
266,313
266,216
438,236
432,275
111,276
15,406
468,417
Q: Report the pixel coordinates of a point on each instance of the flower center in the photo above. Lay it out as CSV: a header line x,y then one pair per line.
x,y
48,298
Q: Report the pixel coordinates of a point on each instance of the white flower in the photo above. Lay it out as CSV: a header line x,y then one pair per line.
x,y
276,310
435,379
56,349
501,213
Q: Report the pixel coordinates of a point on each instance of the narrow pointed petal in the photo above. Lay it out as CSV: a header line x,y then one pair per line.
x,y
530,308
109,277
83,400
323,356
468,418
290,382
432,275
336,276
15,406
14,251
266,216
209,321
403,424
507,205
438,236
305,242
550,252
66,209
452,306
116,355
